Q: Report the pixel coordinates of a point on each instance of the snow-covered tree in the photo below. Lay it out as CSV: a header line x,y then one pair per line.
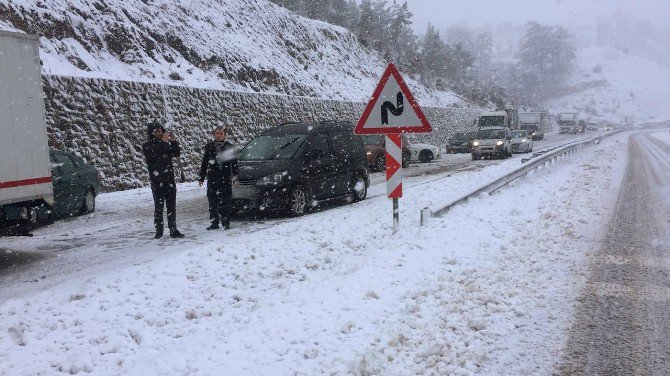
x,y
546,58
433,57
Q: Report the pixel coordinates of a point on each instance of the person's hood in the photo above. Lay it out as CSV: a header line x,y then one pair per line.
x,y
151,128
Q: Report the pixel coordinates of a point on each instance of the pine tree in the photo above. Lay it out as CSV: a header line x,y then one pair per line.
x,y
433,56
401,41
546,58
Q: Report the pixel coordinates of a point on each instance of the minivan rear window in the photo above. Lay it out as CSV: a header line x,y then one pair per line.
x,y
272,147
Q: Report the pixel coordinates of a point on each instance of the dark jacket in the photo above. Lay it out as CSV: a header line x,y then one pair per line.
x,y
159,156
219,163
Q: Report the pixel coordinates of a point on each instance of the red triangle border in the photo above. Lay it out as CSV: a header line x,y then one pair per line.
x,y
425,125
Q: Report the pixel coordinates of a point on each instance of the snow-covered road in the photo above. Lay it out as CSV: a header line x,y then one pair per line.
x,y
623,323
489,288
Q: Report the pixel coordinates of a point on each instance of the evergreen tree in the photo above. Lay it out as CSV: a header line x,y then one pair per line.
x,y
401,41
546,58
433,56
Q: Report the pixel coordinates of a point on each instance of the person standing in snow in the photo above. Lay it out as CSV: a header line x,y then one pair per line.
x,y
159,150
219,167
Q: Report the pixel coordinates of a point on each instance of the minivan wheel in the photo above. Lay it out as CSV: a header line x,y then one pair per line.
x,y
380,162
298,201
359,188
88,206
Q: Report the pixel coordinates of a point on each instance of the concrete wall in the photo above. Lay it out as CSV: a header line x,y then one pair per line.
x,y
104,120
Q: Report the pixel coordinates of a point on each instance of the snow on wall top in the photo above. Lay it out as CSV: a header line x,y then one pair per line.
x,y
612,85
245,45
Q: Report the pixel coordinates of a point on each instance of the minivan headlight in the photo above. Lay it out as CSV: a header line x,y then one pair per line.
x,y
274,179
476,143
499,143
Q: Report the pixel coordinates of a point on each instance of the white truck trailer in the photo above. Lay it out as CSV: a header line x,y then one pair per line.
x,y
26,191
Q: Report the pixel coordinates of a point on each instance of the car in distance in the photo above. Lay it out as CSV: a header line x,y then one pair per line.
x,y
76,184
461,142
492,142
522,142
375,151
425,153
293,167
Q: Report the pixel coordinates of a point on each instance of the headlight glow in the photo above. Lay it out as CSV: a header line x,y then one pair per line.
x,y
499,143
525,140
476,143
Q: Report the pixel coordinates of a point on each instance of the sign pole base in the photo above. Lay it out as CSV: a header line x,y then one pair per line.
x,y
396,216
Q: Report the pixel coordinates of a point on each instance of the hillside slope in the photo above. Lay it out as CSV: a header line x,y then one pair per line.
x,y
246,45
612,85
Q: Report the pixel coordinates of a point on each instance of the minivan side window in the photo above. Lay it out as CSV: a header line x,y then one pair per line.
x,y
320,142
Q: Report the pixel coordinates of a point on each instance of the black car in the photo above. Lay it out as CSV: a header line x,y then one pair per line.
x,y
294,166
75,183
461,142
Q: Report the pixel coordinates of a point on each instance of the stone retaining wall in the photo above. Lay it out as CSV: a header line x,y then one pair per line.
x,y
104,120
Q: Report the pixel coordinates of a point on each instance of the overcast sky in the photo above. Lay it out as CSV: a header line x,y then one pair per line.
x,y
443,13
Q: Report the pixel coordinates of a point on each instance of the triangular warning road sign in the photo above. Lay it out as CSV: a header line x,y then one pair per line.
x,y
392,108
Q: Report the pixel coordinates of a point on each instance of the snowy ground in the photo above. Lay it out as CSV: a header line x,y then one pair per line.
x,y
489,288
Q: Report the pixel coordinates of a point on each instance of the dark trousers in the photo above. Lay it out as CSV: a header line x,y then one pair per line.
x,y
220,197
165,194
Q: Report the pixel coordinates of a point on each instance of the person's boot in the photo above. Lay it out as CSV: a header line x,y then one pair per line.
x,y
226,226
213,226
176,234
159,233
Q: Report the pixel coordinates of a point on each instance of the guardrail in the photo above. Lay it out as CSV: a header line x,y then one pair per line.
x,y
545,157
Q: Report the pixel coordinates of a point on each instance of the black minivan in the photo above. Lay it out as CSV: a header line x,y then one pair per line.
x,y
294,166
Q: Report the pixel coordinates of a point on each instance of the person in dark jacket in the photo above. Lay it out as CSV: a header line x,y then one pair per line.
x,y
159,150
219,167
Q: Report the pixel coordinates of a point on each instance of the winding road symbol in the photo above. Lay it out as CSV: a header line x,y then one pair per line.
x,y
395,110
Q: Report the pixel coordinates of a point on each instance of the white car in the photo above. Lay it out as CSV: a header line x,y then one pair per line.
x,y
522,142
425,153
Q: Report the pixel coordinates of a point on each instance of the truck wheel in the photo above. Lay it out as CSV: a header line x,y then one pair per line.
x,y
33,217
88,206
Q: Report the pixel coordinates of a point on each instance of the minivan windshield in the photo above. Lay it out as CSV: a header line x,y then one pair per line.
x,y
272,147
488,134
